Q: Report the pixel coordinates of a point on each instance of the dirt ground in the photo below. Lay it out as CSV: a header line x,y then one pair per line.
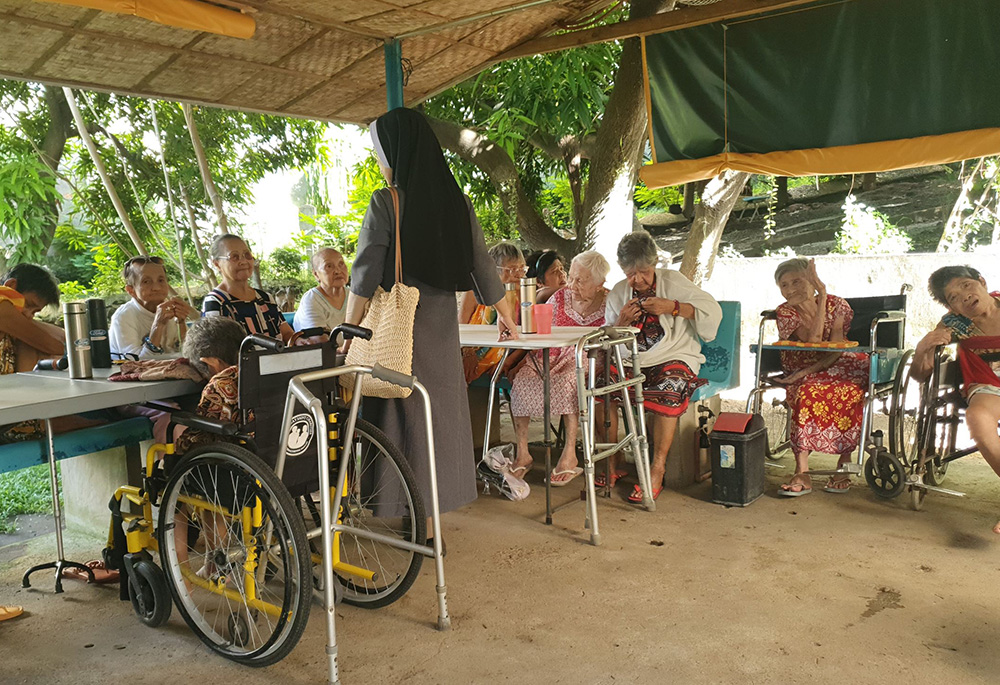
x,y
821,589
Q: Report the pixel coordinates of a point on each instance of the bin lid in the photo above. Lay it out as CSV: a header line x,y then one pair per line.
x,y
732,422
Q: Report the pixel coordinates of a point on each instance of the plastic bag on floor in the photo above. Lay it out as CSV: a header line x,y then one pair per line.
x,y
494,470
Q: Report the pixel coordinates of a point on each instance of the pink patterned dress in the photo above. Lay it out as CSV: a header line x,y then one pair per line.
x,y
827,405
527,395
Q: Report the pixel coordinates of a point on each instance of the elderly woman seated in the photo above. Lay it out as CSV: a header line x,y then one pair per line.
x,y
510,267
973,321
580,303
547,269
673,316
323,306
825,390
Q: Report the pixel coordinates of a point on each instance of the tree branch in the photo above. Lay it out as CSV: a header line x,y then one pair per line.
x,y
493,161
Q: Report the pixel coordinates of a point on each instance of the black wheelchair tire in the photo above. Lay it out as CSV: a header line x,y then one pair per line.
x,y
287,528
149,594
777,422
374,597
885,474
902,443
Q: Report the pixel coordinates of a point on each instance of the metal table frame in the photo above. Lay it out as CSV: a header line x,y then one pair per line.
x,y
607,338
65,398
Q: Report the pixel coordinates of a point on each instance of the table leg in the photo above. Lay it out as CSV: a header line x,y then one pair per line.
x,y
60,563
548,443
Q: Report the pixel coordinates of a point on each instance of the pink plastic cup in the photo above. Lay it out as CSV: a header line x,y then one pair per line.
x,y
543,318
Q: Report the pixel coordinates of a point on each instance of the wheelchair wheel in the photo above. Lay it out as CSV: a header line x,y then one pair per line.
x,y
885,474
382,497
777,420
936,441
234,549
149,594
904,413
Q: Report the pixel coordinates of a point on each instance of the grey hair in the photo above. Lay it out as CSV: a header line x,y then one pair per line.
x,y
940,279
312,260
213,336
790,266
637,250
216,250
505,251
594,262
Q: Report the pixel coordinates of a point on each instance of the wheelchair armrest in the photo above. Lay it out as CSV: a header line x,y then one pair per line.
x,y
184,418
892,315
769,314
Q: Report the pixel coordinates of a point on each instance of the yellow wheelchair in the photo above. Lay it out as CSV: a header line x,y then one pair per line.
x,y
230,534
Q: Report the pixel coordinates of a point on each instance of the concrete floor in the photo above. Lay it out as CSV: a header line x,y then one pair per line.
x,y
820,589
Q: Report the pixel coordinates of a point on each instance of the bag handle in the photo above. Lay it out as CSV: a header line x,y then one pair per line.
x,y
399,246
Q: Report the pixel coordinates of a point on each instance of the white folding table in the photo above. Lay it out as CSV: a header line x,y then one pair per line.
x,y
47,395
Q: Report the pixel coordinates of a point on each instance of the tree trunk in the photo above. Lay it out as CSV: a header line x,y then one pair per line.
x,y
783,198
206,172
717,201
953,235
206,272
53,146
81,127
689,194
867,182
618,146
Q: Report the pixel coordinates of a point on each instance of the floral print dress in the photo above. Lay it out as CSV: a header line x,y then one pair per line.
x,y
527,394
826,406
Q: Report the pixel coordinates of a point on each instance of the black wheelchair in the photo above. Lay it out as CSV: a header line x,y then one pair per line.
x,y
230,533
938,409
878,330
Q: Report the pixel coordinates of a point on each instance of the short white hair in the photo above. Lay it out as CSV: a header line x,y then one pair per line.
x,y
594,262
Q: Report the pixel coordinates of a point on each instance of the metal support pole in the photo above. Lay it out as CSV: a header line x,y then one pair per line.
x,y
546,389
393,74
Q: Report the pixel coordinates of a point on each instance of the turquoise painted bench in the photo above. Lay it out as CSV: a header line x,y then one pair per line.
x,y
722,356
131,431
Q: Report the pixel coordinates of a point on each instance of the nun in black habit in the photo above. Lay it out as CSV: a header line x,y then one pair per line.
x,y
443,252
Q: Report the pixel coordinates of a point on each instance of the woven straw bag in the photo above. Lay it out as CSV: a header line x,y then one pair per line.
x,y
390,318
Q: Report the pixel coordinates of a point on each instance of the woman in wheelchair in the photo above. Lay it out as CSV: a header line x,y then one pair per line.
x,y
973,321
825,391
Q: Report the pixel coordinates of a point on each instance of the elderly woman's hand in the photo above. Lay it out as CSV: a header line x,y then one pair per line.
x,y
629,313
506,326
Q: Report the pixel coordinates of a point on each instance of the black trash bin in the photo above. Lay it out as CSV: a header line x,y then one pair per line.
x,y
739,443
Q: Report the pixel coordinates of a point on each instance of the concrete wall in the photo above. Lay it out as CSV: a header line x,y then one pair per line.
x,y
89,481
751,282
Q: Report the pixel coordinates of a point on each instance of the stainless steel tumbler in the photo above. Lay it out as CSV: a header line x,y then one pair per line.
x,y
528,292
77,324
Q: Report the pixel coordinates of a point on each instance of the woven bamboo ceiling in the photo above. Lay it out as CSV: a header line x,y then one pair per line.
x,y
309,58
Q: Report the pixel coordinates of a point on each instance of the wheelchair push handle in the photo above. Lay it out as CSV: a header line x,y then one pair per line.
x,y
350,331
272,344
395,377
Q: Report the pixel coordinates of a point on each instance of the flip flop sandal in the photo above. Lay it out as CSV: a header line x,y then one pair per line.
x,y
102,574
786,491
599,479
573,473
831,486
520,471
9,611
636,496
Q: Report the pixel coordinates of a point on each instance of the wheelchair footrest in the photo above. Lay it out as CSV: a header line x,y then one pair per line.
x,y
934,488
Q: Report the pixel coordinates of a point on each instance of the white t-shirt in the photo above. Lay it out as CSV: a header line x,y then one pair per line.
x,y
315,310
130,324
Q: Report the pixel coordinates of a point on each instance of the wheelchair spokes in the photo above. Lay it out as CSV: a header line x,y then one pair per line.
x,y
234,558
380,497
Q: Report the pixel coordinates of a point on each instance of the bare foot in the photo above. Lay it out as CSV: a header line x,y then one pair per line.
x,y
522,465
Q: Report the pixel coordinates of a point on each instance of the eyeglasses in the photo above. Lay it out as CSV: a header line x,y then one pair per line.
x,y
236,257
143,259
518,270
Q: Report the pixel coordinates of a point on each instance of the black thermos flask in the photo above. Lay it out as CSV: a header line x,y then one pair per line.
x,y
100,346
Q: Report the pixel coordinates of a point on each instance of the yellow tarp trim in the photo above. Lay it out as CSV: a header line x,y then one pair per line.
x,y
184,14
863,158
